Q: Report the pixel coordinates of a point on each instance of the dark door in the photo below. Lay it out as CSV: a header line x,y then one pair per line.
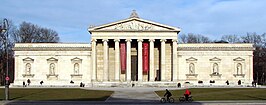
x,y
134,71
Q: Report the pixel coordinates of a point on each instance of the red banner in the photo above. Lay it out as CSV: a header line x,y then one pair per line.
x,y
123,58
145,58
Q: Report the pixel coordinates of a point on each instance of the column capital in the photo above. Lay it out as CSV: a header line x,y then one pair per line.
x,y
105,40
140,40
174,40
93,40
116,40
128,40
163,40
151,40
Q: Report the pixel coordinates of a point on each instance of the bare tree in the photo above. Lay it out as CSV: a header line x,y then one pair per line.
x,y
259,55
252,38
25,33
192,38
230,38
182,38
31,33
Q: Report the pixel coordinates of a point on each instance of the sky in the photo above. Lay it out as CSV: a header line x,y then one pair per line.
x,y
71,18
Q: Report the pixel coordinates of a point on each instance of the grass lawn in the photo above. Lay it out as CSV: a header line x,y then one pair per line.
x,y
58,94
209,94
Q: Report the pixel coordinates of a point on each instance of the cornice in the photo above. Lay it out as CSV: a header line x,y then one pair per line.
x,y
52,49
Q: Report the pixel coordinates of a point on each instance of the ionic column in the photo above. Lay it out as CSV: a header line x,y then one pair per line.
x,y
174,58
93,46
163,59
117,60
151,59
105,59
128,72
140,60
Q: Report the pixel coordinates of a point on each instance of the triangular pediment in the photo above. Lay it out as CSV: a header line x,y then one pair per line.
x,y
239,59
215,59
191,59
134,24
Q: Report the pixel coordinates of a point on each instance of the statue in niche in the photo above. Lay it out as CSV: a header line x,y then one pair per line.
x,y
215,69
191,68
28,68
239,68
76,68
52,69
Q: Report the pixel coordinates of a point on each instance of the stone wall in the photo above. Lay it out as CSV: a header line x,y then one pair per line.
x,y
99,62
227,56
40,61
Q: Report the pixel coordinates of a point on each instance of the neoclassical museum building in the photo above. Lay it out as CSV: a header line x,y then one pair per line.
x,y
133,51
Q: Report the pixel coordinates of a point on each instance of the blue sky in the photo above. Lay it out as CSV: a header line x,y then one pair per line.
x,y
71,18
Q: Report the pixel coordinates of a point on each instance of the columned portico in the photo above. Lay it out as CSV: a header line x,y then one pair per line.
x,y
136,50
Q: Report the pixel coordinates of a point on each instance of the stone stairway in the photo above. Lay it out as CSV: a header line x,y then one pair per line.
x,y
133,95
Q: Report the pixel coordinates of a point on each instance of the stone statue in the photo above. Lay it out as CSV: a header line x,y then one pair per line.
x,y
52,69
28,68
191,68
76,68
215,68
239,68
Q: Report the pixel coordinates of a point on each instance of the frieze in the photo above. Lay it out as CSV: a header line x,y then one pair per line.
x,y
216,53
52,49
215,49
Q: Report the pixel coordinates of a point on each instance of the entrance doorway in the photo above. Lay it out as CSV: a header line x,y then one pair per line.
x,y
134,70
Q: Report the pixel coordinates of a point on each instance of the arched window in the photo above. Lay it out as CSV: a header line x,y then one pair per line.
x,y
76,68
28,68
52,69
215,68
239,68
191,68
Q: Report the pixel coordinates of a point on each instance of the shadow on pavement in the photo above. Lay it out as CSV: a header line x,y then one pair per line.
x,y
110,101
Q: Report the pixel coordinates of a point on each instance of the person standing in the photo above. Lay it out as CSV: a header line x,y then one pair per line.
x,y
227,82
28,81
24,84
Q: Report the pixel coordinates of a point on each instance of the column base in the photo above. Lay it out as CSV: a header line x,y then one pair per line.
x,y
174,80
93,80
117,80
151,80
